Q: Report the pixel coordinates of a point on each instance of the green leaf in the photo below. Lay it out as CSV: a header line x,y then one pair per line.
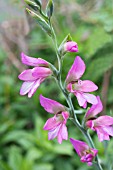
x,y
15,158
64,149
43,24
49,8
43,166
33,154
4,166
99,66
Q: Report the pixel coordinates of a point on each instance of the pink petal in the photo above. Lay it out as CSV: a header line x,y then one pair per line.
x,y
51,106
26,75
109,130
30,61
102,135
95,109
87,158
62,134
76,71
53,133
79,146
26,87
90,98
103,121
81,99
69,87
94,151
90,124
51,123
71,46
65,115
86,86
40,72
34,87
89,163
85,105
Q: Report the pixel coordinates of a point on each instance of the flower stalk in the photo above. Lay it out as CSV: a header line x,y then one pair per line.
x,y
69,101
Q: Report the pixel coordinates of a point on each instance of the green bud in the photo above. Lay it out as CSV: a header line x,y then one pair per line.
x,y
40,21
49,9
38,2
33,5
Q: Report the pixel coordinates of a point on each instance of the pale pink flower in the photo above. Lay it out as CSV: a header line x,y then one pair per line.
x,y
103,126
86,153
78,87
57,124
33,77
71,46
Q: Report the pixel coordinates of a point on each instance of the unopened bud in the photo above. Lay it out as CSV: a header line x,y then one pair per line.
x,y
70,46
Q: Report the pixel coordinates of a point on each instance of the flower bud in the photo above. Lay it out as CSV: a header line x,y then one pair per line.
x,y
49,9
32,4
70,46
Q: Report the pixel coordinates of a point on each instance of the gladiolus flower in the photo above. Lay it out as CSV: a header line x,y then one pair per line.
x,y
33,77
71,46
86,153
78,87
57,124
103,126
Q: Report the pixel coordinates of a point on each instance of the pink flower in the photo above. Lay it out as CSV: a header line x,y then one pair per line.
x,y
78,87
57,124
86,153
71,46
33,77
103,126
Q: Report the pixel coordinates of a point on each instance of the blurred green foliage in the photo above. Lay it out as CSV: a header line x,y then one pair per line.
x,y
23,143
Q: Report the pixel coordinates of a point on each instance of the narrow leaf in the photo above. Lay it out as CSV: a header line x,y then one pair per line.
x,y
40,21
